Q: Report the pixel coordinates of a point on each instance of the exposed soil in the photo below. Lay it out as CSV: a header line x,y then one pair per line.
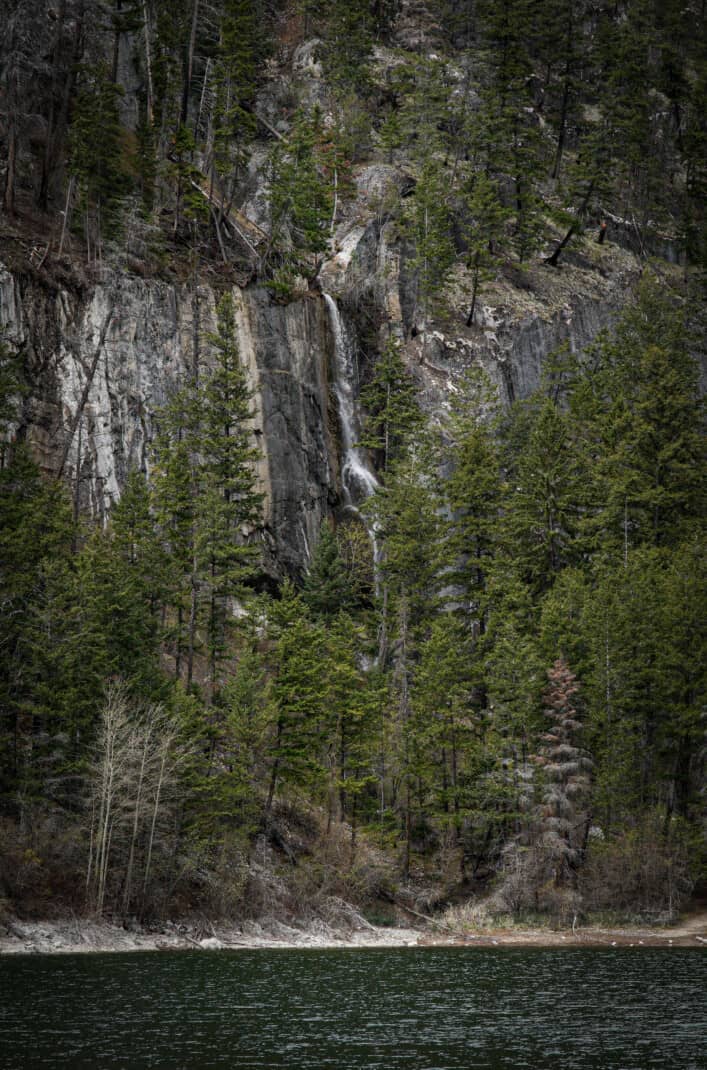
x,y
80,935
690,932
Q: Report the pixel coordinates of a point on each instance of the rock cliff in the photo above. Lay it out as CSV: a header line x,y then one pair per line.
x,y
102,357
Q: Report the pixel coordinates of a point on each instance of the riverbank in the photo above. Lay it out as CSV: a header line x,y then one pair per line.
x,y
81,935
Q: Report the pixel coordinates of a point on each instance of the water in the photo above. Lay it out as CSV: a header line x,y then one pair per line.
x,y
357,479
421,1009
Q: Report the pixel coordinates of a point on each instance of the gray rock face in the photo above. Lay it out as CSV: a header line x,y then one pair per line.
x,y
103,359
101,365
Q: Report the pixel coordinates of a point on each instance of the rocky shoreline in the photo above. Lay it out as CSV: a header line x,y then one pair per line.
x,y
79,935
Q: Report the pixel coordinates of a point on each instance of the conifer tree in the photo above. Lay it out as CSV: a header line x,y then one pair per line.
x,y
428,225
508,140
392,411
177,489
543,497
231,502
348,41
473,491
645,427
35,529
308,174
134,538
241,52
483,233
564,815
297,755
327,587
444,720
407,519
96,156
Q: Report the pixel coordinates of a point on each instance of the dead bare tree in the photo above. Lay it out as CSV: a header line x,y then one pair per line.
x,y
131,782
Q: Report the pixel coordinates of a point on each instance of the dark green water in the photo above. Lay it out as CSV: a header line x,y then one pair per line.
x,y
422,1009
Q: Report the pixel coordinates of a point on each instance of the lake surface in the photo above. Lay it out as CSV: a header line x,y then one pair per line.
x,y
421,1009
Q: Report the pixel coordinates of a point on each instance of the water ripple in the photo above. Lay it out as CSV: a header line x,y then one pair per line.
x,y
403,1009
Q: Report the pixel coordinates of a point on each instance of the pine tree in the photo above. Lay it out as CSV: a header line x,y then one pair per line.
x,y
348,42
447,731
327,587
206,500
35,530
135,539
390,403
473,491
309,172
298,752
543,494
428,225
177,489
351,699
231,503
644,429
508,140
483,233
408,524
241,52
96,156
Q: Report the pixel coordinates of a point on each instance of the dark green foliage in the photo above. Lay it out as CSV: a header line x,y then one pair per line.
x,y
401,696
309,173
348,28
392,411
327,587
541,503
428,226
35,531
207,503
242,48
96,154
644,429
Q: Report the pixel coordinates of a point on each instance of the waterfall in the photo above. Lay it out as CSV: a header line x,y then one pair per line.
x,y
357,479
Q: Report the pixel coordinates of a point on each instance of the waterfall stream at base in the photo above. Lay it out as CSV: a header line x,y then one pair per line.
x,y
357,480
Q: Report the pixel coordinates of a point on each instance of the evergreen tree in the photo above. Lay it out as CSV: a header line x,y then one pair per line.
x,y
407,520
298,753
483,233
428,225
308,174
446,729
643,424
231,503
96,156
392,411
242,49
543,496
348,42
327,587
473,490
207,504
177,489
35,529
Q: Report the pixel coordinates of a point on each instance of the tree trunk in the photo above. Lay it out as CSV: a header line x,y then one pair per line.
x,y
189,64
474,291
155,812
8,200
148,64
136,821
554,258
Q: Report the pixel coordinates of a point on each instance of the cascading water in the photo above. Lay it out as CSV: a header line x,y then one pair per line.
x,y
357,479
